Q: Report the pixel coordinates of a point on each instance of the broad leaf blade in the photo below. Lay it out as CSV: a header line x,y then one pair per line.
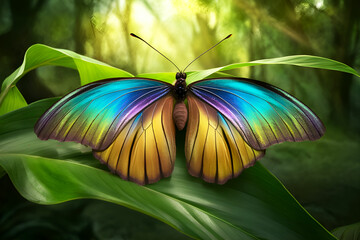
x,y
349,232
168,77
41,55
75,180
14,100
296,60
253,206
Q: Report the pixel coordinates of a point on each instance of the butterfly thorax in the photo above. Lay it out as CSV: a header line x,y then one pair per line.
x,y
180,112
180,87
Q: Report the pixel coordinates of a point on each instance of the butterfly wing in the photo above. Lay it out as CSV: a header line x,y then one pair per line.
x,y
96,113
214,148
263,114
145,150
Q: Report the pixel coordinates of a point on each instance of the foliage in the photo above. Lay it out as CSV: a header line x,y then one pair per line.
x,y
322,175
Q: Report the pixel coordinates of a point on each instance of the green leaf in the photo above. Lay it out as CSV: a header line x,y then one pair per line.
x,y
349,232
41,55
253,206
14,100
168,77
296,60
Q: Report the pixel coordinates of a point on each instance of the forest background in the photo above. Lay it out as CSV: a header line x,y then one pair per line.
x,y
323,176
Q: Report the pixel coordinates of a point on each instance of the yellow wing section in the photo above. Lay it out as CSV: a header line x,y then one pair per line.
x,y
214,149
145,150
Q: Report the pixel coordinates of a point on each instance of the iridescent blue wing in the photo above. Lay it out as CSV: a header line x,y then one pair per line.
x,y
263,114
95,114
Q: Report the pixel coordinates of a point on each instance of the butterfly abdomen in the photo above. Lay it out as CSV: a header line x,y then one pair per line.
x,y
180,115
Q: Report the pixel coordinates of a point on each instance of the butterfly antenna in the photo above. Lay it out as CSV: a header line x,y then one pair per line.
x,y
133,35
207,51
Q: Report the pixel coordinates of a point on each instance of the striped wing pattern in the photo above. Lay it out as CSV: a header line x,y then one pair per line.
x,y
263,114
145,149
214,149
129,125
95,114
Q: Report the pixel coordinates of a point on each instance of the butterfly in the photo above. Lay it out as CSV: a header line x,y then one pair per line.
x,y
130,124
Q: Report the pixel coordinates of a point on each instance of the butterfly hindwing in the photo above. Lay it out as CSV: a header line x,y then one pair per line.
x,y
263,114
214,149
145,149
95,113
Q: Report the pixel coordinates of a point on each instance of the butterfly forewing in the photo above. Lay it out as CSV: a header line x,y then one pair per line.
x,y
263,114
95,113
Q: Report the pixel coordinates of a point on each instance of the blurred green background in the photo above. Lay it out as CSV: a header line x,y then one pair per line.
x,y
324,176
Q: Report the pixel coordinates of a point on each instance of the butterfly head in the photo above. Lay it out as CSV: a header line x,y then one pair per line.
x,y
180,75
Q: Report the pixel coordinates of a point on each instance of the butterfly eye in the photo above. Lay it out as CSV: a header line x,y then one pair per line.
x,y
178,75
183,75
